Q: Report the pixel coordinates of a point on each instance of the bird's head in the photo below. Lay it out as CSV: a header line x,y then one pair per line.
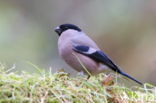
x,y
60,29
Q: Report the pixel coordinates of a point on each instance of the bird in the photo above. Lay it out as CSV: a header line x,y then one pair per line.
x,y
81,53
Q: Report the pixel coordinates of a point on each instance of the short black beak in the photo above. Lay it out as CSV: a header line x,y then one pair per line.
x,y
58,30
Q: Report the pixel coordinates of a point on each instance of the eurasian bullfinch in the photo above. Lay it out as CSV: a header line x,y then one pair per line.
x,y
79,51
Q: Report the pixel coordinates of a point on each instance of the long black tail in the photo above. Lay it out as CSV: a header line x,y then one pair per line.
x,y
128,76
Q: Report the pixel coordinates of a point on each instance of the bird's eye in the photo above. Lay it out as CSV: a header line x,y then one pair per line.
x,y
65,28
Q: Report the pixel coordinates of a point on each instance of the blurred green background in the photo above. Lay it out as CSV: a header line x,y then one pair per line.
x,y
124,29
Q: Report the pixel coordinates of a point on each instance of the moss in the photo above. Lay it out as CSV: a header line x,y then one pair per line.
x,y
45,87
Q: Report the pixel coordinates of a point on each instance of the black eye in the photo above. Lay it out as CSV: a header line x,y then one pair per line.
x,y
65,27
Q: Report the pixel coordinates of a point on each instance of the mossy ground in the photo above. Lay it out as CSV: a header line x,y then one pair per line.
x,y
45,87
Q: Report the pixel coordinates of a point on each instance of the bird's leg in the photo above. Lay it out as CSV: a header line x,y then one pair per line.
x,y
88,77
81,73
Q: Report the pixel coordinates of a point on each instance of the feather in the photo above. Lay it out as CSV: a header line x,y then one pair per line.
x,y
101,57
